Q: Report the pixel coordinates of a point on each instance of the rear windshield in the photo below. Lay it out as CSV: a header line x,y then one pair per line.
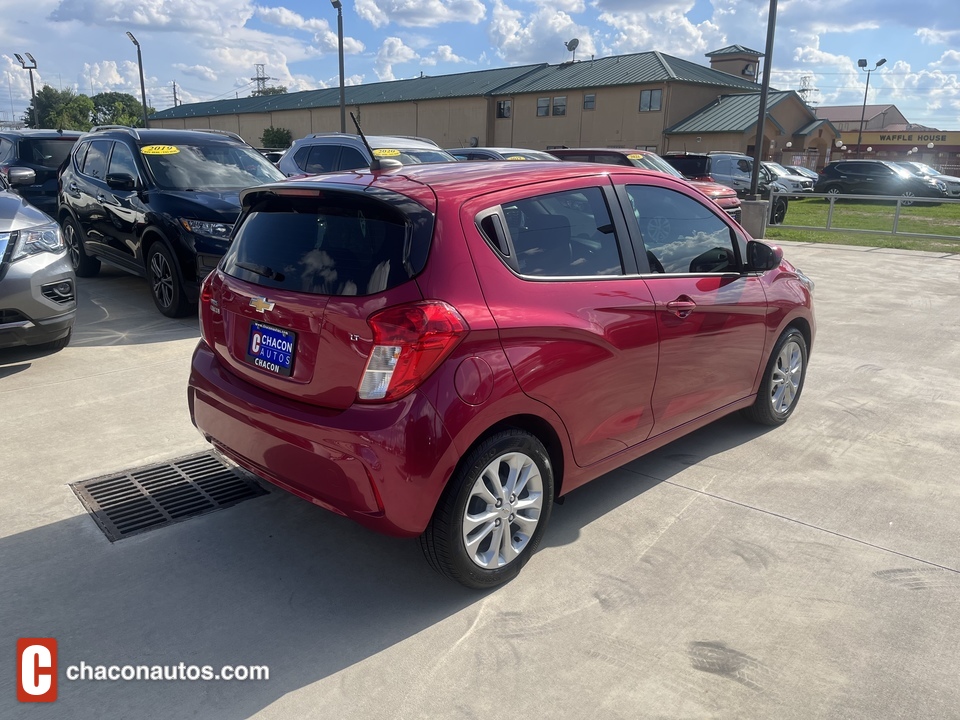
x,y
340,244
47,152
409,156
689,166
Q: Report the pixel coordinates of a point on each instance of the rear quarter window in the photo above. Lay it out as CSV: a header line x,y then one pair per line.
x,y
339,245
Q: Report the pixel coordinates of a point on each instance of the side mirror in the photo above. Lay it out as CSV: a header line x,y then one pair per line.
x,y
21,176
762,257
121,181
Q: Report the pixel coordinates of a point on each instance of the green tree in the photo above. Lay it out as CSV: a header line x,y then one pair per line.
x,y
60,109
276,138
270,90
115,108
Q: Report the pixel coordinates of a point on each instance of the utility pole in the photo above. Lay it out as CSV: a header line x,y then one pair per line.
x,y
175,101
261,79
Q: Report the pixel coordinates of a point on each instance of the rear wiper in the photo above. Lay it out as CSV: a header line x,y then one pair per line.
x,y
261,270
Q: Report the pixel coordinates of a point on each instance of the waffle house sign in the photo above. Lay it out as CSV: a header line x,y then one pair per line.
x,y
910,138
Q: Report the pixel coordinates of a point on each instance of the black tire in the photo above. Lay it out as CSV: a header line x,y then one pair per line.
x,y
781,378
444,542
166,287
908,196
58,345
834,190
778,211
83,264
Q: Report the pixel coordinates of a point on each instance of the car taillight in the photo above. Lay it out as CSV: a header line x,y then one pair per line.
x,y
208,304
409,343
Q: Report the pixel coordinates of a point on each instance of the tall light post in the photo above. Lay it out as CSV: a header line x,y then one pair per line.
x,y
31,65
862,64
764,92
343,105
143,89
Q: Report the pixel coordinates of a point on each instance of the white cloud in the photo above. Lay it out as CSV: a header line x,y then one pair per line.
x,y
935,86
667,30
538,37
443,53
392,52
211,17
420,13
282,17
197,71
929,36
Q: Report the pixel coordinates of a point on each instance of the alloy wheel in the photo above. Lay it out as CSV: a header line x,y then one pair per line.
x,y
73,245
503,510
786,377
161,278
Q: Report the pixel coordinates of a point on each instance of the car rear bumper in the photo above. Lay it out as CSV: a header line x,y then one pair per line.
x,y
383,466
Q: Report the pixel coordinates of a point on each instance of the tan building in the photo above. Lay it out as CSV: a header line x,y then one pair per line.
x,y
646,100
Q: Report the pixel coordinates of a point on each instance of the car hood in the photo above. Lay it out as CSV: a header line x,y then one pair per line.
x,y
712,189
17,214
219,206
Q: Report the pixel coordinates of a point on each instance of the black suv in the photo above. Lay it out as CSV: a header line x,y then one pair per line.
x,y
876,177
158,203
42,151
733,170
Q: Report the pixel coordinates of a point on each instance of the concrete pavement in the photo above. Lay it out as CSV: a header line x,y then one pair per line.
x,y
804,572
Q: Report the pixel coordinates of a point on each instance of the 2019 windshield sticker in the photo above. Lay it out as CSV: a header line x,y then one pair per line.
x,y
159,150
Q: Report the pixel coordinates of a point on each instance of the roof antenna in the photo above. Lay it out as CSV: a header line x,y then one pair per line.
x,y
572,47
376,163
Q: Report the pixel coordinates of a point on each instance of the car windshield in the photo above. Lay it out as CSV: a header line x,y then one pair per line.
x,y
526,155
649,161
410,156
777,169
920,169
208,167
900,170
50,153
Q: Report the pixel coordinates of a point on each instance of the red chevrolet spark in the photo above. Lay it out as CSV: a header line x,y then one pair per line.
x,y
444,350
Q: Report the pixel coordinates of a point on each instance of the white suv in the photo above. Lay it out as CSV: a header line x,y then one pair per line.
x,y
329,152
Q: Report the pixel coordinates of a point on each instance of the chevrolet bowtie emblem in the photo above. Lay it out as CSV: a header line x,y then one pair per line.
x,y
261,304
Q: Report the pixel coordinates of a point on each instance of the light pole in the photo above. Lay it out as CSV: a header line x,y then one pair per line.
x,y
862,64
33,93
764,91
343,105
143,90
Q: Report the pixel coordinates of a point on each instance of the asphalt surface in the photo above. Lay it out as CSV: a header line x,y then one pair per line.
x,y
809,571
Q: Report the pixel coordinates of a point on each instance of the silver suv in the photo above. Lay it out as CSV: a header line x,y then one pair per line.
x,y
37,285
329,152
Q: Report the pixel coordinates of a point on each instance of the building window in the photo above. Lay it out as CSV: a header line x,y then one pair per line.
x,y
503,108
589,102
648,148
650,100
543,107
560,105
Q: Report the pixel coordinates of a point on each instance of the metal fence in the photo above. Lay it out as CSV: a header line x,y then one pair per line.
x,y
902,211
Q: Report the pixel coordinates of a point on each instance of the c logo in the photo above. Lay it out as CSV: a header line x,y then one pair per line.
x,y
255,344
37,669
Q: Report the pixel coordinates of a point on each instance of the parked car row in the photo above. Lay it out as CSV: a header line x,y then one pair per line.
x,y
882,177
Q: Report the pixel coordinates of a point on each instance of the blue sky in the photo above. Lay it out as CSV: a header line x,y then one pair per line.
x,y
210,47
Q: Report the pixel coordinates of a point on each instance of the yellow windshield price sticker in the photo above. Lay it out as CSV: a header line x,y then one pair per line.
x,y
634,156
516,157
386,152
159,150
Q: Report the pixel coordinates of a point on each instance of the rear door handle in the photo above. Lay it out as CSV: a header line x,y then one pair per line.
x,y
74,190
681,308
101,198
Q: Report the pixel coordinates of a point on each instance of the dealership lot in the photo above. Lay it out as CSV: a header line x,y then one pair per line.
x,y
806,571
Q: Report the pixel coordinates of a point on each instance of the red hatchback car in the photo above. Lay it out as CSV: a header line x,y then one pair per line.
x,y
444,350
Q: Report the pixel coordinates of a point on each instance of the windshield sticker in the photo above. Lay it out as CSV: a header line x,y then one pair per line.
x,y
159,150
634,156
385,152
516,157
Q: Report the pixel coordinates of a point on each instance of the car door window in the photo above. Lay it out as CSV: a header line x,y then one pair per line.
x,y
322,159
95,163
122,162
680,234
564,234
351,159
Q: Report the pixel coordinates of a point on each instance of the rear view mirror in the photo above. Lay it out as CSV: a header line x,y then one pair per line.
x,y
763,257
21,176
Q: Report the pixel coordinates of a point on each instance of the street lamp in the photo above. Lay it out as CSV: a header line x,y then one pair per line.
x,y
862,64
143,90
33,93
343,106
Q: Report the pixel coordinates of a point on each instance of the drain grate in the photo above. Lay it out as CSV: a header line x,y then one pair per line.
x,y
132,502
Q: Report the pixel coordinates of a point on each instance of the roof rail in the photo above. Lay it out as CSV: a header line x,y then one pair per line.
x,y
219,132
326,134
101,128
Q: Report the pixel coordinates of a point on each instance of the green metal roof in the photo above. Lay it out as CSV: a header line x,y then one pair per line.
x,y
731,113
640,68
472,84
734,50
817,124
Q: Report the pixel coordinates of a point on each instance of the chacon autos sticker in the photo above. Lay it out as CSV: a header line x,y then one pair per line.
x,y
386,152
159,150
